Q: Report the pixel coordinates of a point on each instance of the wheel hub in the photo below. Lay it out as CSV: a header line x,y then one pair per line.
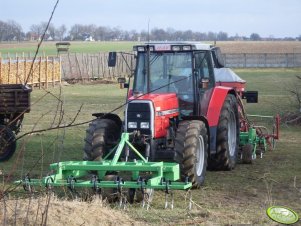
x,y
200,155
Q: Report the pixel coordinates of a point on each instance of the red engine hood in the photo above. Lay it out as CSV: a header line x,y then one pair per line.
x,y
166,106
162,101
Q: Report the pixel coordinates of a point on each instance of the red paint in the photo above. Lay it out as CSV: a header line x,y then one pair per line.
x,y
161,102
216,103
238,86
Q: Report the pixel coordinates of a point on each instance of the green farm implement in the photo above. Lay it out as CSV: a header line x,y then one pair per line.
x,y
145,176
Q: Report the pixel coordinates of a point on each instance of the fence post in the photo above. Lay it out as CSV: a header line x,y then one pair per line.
x,y
17,72
53,70
24,74
286,56
9,65
40,62
46,70
60,69
245,60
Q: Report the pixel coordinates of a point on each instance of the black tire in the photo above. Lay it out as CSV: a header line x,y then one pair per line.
x,y
101,136
227,140
247,152
7,143
191,151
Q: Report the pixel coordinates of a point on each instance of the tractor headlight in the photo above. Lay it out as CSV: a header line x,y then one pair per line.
x,y
144,125
132,125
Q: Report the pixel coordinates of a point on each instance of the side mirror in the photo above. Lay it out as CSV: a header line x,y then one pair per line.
x,y
122,83
218,58
250,96
112,59
204,83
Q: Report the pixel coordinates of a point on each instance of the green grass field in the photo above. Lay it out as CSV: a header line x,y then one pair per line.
x,y
233,197
49,48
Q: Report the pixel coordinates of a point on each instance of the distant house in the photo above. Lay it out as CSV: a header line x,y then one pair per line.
x,y
89,39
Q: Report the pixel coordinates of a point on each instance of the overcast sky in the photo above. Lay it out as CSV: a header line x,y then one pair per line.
x,y
278,18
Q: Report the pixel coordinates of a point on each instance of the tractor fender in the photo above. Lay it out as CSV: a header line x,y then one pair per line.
x,y
111,116
216,103
214,109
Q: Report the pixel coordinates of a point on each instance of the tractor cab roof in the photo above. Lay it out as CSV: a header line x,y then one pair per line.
x,y
172,46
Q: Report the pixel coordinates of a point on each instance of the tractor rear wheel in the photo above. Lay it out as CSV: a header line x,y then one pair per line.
x,y
191,146
101,136
7,143
227,140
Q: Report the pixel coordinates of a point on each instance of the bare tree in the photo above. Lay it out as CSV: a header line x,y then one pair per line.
x,y
37,30
61,31
10,31
255,37
222,36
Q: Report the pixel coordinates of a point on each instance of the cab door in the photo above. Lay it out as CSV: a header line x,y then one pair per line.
x,y
204,81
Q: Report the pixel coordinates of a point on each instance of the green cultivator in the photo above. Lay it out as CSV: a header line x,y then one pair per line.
x,y
257,139
145,176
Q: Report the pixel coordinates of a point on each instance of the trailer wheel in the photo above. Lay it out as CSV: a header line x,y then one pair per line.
x,y
101,136
227,136
7,143
247,152
191,146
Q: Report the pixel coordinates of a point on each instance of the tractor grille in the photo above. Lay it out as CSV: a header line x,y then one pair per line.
x,y
139,113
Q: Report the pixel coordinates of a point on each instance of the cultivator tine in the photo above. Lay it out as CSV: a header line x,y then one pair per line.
x,y
147,197
122,201
96,189
49,184
168,193
120,194
171,204
27,186
71,183
190,200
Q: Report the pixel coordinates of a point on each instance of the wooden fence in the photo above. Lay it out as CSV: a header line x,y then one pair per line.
x,y
45,71
82,66
85,66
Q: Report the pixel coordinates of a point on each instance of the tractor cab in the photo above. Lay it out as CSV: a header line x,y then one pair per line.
x,y
185,69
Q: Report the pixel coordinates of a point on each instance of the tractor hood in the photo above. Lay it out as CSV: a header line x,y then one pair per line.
x,y
157,108
163,102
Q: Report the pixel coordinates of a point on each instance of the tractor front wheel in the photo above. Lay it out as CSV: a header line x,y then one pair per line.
x,y
191,146
7,143
101,136
227,139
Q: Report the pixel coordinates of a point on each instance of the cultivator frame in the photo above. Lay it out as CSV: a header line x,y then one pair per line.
x,y
259,137
144,174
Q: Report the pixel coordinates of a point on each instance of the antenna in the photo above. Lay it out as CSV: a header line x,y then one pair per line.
x,y
148,30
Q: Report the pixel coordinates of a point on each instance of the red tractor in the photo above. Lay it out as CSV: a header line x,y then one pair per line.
x,y
181,107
